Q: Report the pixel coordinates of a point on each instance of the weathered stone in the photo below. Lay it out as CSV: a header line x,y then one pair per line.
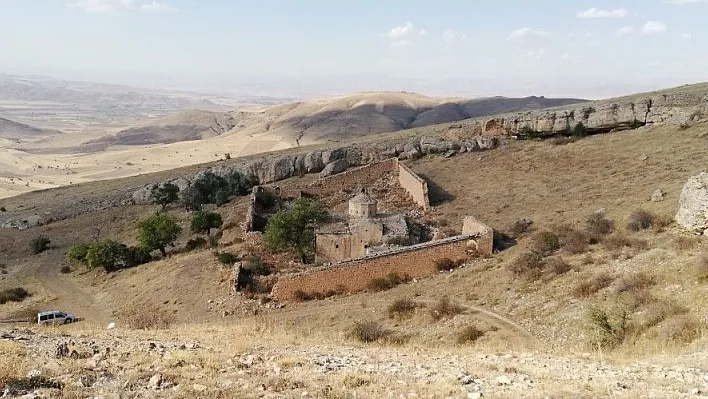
x,y
486,142
335,154
333,168
658,195
313,162
693,204
155,382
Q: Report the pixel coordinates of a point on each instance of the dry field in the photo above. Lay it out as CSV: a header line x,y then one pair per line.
x,y
500,333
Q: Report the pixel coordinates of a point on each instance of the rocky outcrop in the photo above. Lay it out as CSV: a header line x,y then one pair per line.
x,y
335,167
693,205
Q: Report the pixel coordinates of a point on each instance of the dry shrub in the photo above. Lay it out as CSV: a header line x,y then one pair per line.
x,y
545,243
146,317
598,226
557,265
469,334
575,242
593,285
660,223
390,281
372,331
13,295
639,298
445,264
617,242
634,282
686,243
402,309
353,381
608,328
520,227
683,329
661,310
640,220
528,264
445,309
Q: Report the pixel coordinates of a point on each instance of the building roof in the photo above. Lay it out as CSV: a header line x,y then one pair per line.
x,y
363,199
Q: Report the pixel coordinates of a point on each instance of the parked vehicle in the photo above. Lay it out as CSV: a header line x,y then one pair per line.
x,y
55,317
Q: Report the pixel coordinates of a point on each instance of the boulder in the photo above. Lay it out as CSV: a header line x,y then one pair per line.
x,y
693,205
486,142
313,162
335,154
333,168
658,195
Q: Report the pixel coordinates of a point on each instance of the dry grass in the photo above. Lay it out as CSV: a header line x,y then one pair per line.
x,y
593,284
575,242
557,265
617,242
598,225
635,282
528,265
702,267
682,329
469,334
17,294
445,309
369,331
402,309
545,243
146,317
660,223
686,242
355,380
640,220
659,311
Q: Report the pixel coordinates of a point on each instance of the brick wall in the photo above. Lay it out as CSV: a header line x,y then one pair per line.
x,y
361,176
353,276
416,186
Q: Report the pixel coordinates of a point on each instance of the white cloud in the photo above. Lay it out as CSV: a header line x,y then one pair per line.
x,y
400,31
526,32
538,54
682,2
686,36
599,13
625,30
451,37
118,6
654,27
401,43
402,36
422,32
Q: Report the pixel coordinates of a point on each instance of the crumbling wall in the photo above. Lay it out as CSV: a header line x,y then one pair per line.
x,y
416,186
330,247
351,178
482,235
353,276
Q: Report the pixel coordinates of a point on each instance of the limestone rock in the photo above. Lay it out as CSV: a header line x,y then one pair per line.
x,y
658,195
333,168
335,154
693,204
486,142
313,162
155,382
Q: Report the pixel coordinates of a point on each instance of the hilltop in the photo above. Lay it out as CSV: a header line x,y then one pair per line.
x,y
16,131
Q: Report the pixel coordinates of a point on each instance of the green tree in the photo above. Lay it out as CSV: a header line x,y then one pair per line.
x,y
107,254
294,229
77,254
159,231
165,194
203,221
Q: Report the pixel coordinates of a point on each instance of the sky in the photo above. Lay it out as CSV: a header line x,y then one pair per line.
x,y
591,48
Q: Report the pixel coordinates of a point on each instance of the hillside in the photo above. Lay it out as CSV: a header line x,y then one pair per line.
x,y
535,333
19,131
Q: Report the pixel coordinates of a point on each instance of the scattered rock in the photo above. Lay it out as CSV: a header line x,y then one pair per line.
x,y
658,195
503,380
693,204
199,387
155,382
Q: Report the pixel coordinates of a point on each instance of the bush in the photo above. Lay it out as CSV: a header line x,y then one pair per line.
x,y
618,241
390,281
520,227
65,269
3,209
77,254
146,317
39,244
528,132
165,194
683,329
444,309
580,130
31,383
575,242
660,223
599,226
158,231
13,295
607,328
634,282
203,221
195,243
545,243
293,229
108,254
557,266
659,311
591,286
209,188
266,199
369,331
227,258
640,220
469,334
445,264
401,309
528,264
136,256
256,267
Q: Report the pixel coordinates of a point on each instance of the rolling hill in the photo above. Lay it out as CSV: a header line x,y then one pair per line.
x,y
19,131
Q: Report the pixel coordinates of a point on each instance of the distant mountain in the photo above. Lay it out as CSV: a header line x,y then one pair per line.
x,y
18,131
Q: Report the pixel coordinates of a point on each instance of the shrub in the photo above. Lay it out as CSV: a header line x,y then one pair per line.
x,y
368,331
3,209
401,309
158,231
563,140
39,244
634,282
293,229
255,266
227,258
303,296
528,264
599,226
165,194
136,256
266,199
580,130
557,265
575,242
390,281
445,264
77,254
528,132
146,317
195,243
108,254
591,286
31,383
469,334
617,242
545,243
13,295
65,269
519,227
660,223
203,221
686,243
659,311
640,220
683,329
445,309
210,188
607,328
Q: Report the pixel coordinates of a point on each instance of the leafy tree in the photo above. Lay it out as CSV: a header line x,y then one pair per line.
x,y
135,256
77,253
204,220
165,194
294,229
159,231
39,244
210,188
107,254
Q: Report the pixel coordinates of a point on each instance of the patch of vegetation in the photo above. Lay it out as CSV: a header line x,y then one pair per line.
x,y
593,285
39,244
520,227
607,328
660,310
640,220
686,243
660,223
227,258
598,226
564,140
65,269
3,209
136,256
266,199
402,309
528,264
527,133
159,231
580,131
545,243
256,267
683,329
617,242
164,194
369,331
210,188
146,317
107,254
13,295
31,383
634,282
575,241
445,264
294,229
445,309
469,334
702,267
195,243
77,253
203,221
556,265
390,281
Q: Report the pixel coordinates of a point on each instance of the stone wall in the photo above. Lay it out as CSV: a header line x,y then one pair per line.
x,y
416,186
361,176
353,276
482,234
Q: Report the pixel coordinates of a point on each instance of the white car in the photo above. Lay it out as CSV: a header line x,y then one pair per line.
x,y
55,317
